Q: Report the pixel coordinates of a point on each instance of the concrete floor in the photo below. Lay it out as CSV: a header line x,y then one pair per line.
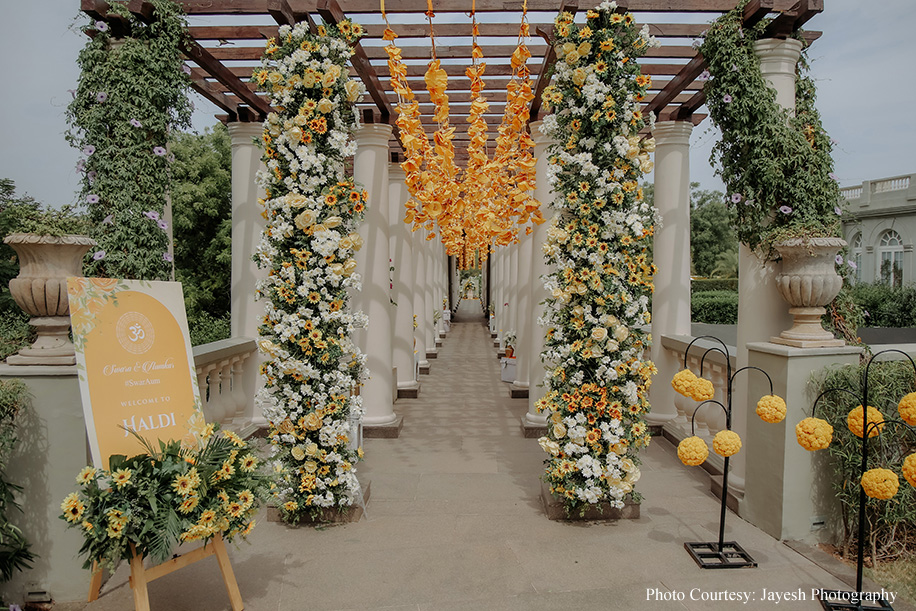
x,y
455,523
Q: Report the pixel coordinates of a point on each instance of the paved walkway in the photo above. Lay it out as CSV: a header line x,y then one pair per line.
x,y
455,523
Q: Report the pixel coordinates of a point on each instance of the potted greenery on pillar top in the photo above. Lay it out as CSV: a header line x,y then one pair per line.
x,y
778,170
50,248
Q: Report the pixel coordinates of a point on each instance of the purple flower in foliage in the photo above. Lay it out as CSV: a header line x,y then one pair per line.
x,y
99,255
736,198
152,215
101,26
785,209
839,259
163,225
159,150
92,198
88,150
101,97
136,123
167,256
727,99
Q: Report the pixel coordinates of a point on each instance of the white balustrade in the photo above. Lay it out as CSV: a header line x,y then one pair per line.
x,y
897,183
227,378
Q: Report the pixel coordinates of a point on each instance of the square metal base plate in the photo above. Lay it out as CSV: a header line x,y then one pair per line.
x,y
730,556
839,600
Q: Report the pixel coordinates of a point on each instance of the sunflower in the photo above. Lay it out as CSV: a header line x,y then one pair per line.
x,y
121,477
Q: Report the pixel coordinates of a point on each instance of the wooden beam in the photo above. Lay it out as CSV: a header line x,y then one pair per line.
x,y
331,12
213,93
212,66
550,56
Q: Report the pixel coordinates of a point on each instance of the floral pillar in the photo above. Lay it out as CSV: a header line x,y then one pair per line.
x,y
247,225
762,312
671,252
370,169
402,293
533,423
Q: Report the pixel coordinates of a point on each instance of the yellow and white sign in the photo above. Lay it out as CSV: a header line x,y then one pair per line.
x,y
136,365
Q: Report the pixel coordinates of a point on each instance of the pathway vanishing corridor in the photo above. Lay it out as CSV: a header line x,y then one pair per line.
x,y
455,522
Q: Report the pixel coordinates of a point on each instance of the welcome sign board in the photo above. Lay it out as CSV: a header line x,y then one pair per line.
x,y
136,365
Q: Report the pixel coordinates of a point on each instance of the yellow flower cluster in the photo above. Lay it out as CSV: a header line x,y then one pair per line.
x,y
909,469
771,408
875,421
692,451
907,408
726,443
880,483
814,434
689,385
72,507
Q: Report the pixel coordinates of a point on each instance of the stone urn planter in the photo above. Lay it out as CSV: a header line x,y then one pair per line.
x,y
40,290
808,281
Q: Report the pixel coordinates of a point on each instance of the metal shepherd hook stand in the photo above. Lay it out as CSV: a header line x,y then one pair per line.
x,y
720,554
839,600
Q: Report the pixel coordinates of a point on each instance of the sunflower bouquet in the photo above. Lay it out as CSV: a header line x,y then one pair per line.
x,y
162,498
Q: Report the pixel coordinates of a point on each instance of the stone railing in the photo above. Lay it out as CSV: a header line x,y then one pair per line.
x,y
227,375
709,419
850,193
898,183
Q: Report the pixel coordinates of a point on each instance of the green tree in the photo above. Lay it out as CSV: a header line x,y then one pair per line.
x,y
202,217
712,229
9,265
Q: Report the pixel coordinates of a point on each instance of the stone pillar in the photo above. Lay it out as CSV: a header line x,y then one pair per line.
x,y
671,252
762,312
247,225
513,288
789,489
533,423
419,298
523,313
400,246
370,169
432,330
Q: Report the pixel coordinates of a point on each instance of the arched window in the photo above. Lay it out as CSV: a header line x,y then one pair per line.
x,y
890,258
857,256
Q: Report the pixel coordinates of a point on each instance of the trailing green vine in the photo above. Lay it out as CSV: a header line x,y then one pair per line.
x,y
14,549
131,93
777,168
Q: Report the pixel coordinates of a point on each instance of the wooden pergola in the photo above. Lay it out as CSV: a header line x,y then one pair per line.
x,y
224,55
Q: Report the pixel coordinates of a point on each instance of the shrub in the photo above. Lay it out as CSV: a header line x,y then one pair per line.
x,y
702,285
890,523
205,328
15,332
14,549
714,307
886,306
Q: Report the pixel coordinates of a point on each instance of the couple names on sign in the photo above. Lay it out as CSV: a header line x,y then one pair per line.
x,y
137,371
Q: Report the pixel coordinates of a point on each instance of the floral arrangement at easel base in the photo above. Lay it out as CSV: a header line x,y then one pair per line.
x,y
166,496
312,211
597,379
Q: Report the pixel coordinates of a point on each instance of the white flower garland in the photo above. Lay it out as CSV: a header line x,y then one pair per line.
x,y
312,210
597,377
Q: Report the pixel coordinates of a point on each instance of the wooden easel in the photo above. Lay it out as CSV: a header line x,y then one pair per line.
x,y
140,576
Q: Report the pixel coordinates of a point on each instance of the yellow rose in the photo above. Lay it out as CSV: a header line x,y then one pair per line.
x,y
572,57
294,133
310,466
311,449
579,75
621,333
325,105
312,421
353,90
599,334
584,49
559,430
349,266
306,219
332,222
357,240
345,242
297,452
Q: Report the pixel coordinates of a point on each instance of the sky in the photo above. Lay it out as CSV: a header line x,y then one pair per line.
x,y
863,66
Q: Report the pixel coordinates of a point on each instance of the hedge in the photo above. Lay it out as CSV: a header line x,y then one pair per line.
x,y
714,307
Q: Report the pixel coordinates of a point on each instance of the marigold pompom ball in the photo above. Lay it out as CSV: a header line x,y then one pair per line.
x,y
689,385
909,469
772,409
880,483
692,451
907,408
813,434
854,421
726,443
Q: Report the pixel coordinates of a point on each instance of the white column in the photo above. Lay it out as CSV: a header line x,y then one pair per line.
x,y
442,265
419,297
400,247
762,312
671,252
512,285
524,309
430,292
539,267
247,225
370,169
